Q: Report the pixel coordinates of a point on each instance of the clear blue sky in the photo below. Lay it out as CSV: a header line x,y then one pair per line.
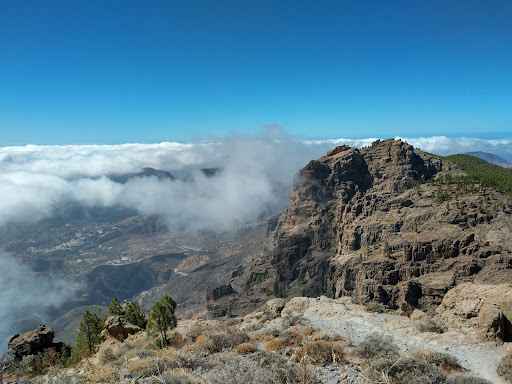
x,y
117,71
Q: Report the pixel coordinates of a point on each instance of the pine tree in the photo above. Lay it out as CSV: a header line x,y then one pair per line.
x,y
162,318
115,308
89,335
134,314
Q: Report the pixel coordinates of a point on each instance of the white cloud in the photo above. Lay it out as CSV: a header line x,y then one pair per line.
x,y
27,296
256,174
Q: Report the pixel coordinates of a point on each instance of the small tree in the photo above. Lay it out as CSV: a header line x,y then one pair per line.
x,y
89,335
115,308
134,314
162,318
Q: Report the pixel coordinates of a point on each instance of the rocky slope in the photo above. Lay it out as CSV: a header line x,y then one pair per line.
x,y
385,224
299,341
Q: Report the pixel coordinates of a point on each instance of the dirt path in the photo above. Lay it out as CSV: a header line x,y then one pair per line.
x,y
348,320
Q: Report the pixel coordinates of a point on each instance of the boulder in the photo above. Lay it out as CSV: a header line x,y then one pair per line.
x,y
34,342
274,307
118,328
479,306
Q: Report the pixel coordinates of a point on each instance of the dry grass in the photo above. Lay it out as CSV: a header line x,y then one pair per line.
x,y
321,352
246,348
275,344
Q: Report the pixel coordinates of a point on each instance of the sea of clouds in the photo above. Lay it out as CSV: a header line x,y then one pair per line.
x,y
256,175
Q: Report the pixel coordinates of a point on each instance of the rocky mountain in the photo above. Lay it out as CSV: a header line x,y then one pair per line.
x,y
385,225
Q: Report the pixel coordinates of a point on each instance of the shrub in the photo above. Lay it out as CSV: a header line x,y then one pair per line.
x,y
173,378
429,325
89,335
115,308
221,341
134,314
375,307
260,368
321,352
403,370
377,345
275,344
106,355
467,380
245,348
162,318
441,360
505,368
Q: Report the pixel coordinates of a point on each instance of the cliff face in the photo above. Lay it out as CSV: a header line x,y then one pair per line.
x,y
376,224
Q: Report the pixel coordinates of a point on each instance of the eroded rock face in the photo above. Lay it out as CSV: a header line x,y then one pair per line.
x,y
35,342
375,225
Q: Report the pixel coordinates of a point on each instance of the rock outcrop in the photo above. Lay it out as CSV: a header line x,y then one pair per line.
x,y
381,224
118,328
480,307
35,342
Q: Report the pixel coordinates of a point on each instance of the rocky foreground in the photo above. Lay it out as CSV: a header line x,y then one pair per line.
x,y
302,340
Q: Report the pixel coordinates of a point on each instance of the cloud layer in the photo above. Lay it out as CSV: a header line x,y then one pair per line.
x,y
257,173
255,176
27,297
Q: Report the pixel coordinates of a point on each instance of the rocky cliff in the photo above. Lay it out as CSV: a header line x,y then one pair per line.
x,y
384,224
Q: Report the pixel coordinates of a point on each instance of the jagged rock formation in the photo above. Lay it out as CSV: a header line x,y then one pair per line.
x,y
378,225
35,342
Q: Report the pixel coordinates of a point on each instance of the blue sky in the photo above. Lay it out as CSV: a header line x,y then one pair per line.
x,y
87,72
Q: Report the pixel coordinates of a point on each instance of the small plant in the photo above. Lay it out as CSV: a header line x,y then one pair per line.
x,y
429,325
134,314
442,360
377,345
115,308
130,311
89,336
162,319
375,307
222,341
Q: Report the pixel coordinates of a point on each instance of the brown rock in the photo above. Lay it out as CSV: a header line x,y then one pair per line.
x,y
479,306
34,342
369,224
118,328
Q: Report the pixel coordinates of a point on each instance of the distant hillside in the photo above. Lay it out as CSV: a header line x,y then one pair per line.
x,y
482,172
491,158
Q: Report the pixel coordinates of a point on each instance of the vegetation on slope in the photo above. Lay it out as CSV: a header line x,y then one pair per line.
x,y
478,171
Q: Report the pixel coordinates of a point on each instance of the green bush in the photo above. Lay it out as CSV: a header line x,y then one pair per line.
x,y
162,319
478,171
89,335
